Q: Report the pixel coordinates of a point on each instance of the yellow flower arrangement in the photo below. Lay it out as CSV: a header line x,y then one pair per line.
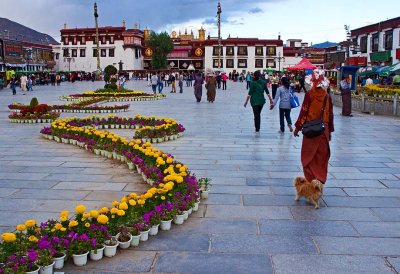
x,y
102,219
21,228
80,209
30,223
8,237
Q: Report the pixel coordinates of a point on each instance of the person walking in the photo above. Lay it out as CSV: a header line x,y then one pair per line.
x,y
274,79
172,79
153,82
224,79
13,84
301,82
180,83
198,86
283,96
218,78
23,80
160,82
315,151
211,86
248,80
257,99
345,91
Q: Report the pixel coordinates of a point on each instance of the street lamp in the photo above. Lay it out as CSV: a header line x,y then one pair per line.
x,y
219,34
279,58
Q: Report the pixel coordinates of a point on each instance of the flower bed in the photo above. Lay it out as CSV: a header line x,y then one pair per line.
x,y
379,90
32,113
174,194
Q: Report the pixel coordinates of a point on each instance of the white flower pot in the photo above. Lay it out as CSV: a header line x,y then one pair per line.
x,y
130,165
135,240
165,225
185,215
110,250
160,140
190,210
80,259
48,269
154,140
98,255
204,194
179,219
154,230
144,235
96,151
59,262
124,245
196,206
33,271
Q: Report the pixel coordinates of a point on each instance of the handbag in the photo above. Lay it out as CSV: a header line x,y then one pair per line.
x,y
315,127
294,100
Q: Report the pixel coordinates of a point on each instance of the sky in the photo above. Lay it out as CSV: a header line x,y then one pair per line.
x,y
310,20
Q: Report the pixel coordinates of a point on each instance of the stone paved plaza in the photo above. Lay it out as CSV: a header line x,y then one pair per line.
x,y
250,223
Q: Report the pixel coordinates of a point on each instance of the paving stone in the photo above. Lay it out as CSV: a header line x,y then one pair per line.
x,y
269,182
184,262
354,183
90,185
50,194
306,228
170,241
106,195
78,177
41,184
388,214
368,192
334,213
272,200
391,184
4,192
362,201
358,246
262,244
395,262
328,264
241,189
271,212
378,229
328,191
223,199
130,261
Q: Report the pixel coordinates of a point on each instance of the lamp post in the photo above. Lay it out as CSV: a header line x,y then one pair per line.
x,y
279,58
96,15
219,34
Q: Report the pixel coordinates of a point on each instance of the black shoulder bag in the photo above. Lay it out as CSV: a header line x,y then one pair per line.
x,y
315,127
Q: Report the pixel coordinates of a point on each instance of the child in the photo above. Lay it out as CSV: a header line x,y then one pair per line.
x,y
283,95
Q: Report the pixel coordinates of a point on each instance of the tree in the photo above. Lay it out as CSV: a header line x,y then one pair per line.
x,y
108,72
161,44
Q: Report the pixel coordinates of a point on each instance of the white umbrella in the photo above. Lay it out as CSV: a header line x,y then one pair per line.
x,y
395,67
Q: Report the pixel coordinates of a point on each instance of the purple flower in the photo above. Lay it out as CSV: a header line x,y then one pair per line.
x,y
32,255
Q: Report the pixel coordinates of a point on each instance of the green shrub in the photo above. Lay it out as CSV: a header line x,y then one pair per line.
x,y
111,86
34,103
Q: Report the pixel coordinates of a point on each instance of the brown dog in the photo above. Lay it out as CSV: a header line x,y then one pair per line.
x,y
310,190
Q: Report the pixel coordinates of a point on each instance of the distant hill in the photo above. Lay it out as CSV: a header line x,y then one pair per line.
x,y
15,31
326,44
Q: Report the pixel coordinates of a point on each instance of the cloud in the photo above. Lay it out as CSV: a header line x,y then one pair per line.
x,y
255,10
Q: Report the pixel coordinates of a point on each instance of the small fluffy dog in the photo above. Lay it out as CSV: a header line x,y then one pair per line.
x,y
310,190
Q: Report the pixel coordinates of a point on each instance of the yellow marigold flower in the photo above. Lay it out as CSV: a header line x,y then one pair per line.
x,y
141,202
182,169
104,210
38,229
63,218
94,213
121,212
52,230
87,224
163,198
30,223
102,219
115,203
58,226
133,195
64,213
114,210
169,160
63,229
73,223
123,206
132,202
80,209
21,227
8,237
161,185
33,239
178,165
124,199
86,215
112,216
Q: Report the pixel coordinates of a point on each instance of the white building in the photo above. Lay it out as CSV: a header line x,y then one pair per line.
x,y
379,43
243,54
118,46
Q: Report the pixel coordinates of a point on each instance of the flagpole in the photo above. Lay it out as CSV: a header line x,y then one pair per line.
x,y
219,34
96,15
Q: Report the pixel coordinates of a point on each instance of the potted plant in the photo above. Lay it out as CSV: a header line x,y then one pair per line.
x,y
20,264
110,245
204,185
79,247
124,237
135,232
168,213
45,257
97,234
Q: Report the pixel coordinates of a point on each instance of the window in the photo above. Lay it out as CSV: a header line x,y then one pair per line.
x,y
83,40
65,53
242,63
271,50
259,51
57,56
375,42
136,54
230,51
75,40
74,52
217,49
66,41
103,40
271,63
388,39
94,52
82,53
242,50
215,63
111,53
363,44
259,63
103,53
229,63
111,39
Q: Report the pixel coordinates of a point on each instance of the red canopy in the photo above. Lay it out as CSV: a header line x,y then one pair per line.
x,y
304,64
